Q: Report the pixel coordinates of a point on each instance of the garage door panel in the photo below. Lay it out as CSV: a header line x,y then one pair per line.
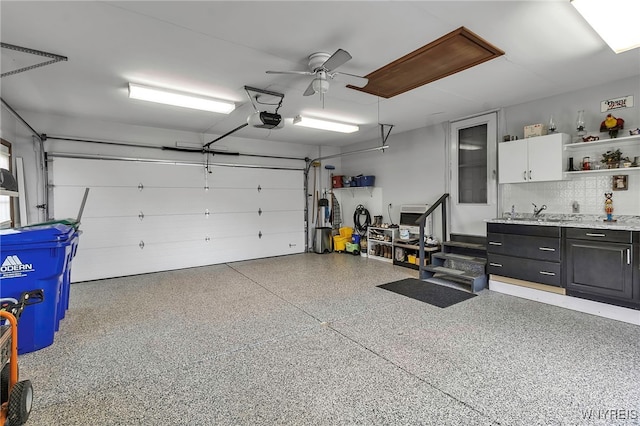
x,y
171,222
229,177
71,171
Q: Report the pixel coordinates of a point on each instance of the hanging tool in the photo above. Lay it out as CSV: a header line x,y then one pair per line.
x,y
329,210
315,166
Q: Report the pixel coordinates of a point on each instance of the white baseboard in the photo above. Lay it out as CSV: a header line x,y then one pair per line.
x,y
618,313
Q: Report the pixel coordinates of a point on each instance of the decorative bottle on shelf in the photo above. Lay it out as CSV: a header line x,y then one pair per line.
x,y
552,125
580,126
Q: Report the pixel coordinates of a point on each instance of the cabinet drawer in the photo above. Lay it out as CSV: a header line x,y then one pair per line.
x,y
531,230
593,234
540,248
525,269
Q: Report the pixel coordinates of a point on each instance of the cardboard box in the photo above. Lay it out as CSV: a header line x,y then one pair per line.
x,y
535,130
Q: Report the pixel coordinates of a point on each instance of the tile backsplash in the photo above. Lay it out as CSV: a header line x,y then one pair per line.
x,y
587,191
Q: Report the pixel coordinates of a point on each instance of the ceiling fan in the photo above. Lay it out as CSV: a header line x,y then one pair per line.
x,y
322,67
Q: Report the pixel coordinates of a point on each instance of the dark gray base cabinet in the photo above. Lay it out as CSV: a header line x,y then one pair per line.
x,y
525,252
599,265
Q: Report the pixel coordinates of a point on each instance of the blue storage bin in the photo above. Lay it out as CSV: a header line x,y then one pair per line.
x,y
367,180
35,258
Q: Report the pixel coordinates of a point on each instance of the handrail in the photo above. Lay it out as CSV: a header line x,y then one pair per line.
x,y
432,208
422,220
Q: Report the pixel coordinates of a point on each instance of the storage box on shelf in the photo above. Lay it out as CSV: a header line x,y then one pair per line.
x,y
408,255
353,183
380,243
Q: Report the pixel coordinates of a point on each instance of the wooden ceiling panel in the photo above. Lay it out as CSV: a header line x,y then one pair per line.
x,y
457,51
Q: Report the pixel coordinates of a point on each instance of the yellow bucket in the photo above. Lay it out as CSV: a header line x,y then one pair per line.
x,y
339,242
346,232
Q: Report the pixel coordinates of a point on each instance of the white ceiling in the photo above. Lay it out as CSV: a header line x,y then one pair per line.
x,y
216,48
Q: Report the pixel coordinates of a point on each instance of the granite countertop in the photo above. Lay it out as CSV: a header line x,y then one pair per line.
x,y
624,223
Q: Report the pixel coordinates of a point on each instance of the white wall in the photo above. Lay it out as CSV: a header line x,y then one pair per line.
x,y
411,171
587,190
414,170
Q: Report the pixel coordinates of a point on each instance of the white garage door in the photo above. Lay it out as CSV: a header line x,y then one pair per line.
x,y
148,217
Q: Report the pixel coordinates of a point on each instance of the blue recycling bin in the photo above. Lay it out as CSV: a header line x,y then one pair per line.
x,y
63,302
63,299
35,258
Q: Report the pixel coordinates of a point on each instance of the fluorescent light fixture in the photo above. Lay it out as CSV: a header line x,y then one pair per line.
x,y
333,126
186,100
616,21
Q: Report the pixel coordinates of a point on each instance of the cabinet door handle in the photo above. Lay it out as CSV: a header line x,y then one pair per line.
x,y
553,274
529,174
628,256
589,234
524,175
494,243
497,265
546,249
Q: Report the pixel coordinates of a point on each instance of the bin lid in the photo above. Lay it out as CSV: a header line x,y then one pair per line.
x,y
68,221
55,233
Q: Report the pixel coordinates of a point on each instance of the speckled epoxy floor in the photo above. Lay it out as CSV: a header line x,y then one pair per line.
x,y
309,340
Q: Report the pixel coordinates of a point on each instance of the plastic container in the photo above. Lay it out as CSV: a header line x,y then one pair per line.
x,y
346,232
339,243
35,258
63,303
351,247
355,238
367,180
65,288
336,181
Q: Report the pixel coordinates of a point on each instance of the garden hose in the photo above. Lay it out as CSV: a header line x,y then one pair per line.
x,y
359,227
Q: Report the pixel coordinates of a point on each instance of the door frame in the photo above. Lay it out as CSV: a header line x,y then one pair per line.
x,y
492,164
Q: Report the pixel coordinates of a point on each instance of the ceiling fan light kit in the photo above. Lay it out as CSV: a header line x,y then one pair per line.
x,y
320,85
321,124
181,99
615,21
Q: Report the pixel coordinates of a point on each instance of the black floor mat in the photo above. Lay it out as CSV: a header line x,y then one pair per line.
x,y
434,294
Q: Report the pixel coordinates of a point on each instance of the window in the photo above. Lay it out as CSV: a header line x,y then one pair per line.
x,y
472,164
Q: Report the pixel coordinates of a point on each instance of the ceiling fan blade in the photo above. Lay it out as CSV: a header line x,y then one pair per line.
x,y
291,72
309,90
338,58
353,80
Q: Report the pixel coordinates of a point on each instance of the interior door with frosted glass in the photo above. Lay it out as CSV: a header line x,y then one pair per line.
x,y
473,185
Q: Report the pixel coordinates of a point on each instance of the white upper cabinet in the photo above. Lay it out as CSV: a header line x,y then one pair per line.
x,y
535,159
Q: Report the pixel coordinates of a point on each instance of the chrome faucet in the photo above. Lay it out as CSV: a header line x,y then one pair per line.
x,y
537,211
